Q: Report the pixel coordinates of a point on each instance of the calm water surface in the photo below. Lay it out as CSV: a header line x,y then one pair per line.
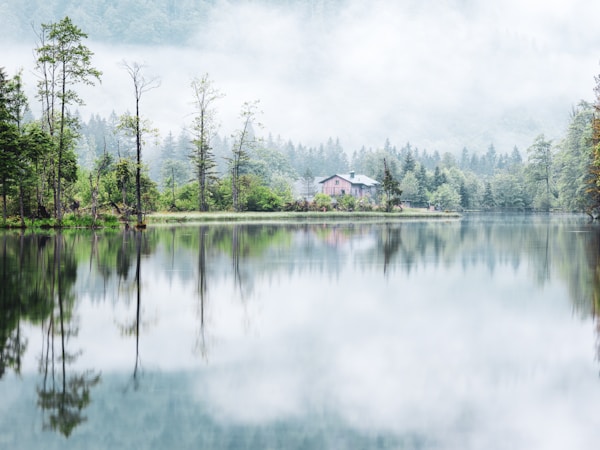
x,y
478,333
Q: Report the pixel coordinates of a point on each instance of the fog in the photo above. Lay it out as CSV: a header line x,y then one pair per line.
x,y
442,75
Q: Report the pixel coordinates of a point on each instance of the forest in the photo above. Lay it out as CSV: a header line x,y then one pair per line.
x,y
61,167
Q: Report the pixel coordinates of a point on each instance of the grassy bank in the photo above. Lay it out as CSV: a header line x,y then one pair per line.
x,y
69,221
110,221
191,217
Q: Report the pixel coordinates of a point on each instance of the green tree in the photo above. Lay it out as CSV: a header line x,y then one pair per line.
x,y
14,153
391,188
408,164
37,151
9,148
410,186
509,191
439,178
446,197
421,197
465,198
63,61
539,170
174,173
9,144
490,160
101,168
593,181
573,160
124,171
515,159
17,102
488,201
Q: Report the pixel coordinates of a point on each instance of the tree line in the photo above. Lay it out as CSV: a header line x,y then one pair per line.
x,y
59,163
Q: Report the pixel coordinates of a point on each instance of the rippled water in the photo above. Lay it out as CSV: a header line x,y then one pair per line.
x,y
472,333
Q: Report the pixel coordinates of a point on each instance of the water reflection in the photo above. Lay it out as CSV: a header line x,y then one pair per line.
x,y
398,335
38,274
12,343
201,345
131,327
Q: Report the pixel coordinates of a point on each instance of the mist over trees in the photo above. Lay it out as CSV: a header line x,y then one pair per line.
x,y
63,163
165,22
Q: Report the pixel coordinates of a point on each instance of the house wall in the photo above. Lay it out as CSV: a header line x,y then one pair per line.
x,y
337,186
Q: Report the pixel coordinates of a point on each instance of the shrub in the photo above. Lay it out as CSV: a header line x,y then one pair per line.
x,y
261,198
323,201
347,202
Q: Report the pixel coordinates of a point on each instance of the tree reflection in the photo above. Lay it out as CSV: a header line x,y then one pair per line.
x,y
202,288
593,286
390,244
132,327
62,394
12,345
138,275
237,252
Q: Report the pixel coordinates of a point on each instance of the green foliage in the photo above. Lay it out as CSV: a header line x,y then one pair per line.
x,y
322,201
281,186
38,163
446,197
573,160
347,202
510,192
539,172
261,198
244,142
77,221
186,198
410,186
391,188
488,201
62,62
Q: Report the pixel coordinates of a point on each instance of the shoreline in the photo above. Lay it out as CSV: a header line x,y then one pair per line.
x,y
226,217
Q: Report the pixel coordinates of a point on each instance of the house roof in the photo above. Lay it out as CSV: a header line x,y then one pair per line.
x,y
356,179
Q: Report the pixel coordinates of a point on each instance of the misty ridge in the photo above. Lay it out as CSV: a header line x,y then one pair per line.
x,y
443,77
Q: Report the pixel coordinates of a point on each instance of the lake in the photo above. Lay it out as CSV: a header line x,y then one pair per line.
x,y
472,333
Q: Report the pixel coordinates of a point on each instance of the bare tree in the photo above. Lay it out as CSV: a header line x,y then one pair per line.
x,y
203,129
141,85
244,141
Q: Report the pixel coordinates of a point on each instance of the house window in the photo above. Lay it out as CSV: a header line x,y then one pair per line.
x,y
337,182
343,191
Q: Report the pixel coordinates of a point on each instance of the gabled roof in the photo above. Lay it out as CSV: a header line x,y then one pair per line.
x,y
356,179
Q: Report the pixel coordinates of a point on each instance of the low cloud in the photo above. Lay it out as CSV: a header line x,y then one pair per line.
x,y
441,76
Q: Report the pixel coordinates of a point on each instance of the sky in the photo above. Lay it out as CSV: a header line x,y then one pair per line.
x,y
441,75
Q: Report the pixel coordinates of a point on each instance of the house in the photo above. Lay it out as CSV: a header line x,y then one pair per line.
x,y
356,185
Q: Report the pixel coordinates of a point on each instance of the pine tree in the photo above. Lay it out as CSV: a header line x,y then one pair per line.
x,y
488,201
391,188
